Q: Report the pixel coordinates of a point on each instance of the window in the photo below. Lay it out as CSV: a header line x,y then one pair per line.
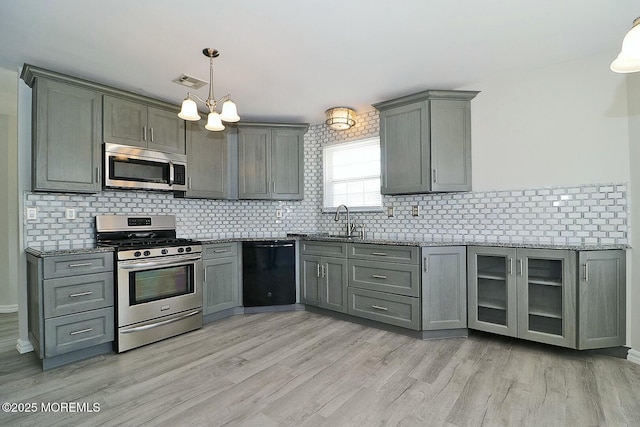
x,y
352,175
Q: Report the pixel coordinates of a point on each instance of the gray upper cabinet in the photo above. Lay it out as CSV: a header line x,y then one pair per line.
x,y
66,137
425,142
271,161
601,296
129,122
212,159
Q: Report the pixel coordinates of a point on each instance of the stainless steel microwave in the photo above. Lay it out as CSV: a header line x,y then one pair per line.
x,y
137,168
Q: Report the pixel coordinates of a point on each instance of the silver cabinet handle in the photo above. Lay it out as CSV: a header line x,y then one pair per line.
x,y
520,267
144,133
510,266
151,132
81,331
379,253
586,272
435,175
318,274
377,307
274,186
82,264
323,271
219,251
204,276
378,276
98,175
425,264
189,183
80,294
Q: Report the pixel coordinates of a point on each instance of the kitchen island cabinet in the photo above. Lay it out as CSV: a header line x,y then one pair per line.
x,y
425,142
271,161
568,298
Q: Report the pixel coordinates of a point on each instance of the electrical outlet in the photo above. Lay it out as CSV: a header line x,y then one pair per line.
x,y
415,210
390,211
32,213
70,213
278,213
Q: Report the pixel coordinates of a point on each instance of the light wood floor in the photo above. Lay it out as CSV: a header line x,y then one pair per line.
x,y
304,369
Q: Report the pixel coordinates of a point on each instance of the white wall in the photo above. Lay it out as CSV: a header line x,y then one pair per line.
x,y
560,125
9,220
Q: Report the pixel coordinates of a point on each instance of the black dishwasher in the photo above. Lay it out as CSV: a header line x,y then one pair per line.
x,y
268,273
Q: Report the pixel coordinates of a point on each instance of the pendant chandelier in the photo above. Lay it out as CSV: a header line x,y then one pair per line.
x,y
229,111
628,61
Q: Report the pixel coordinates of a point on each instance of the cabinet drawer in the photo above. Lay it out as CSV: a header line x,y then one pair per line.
x,y
76,294
74,265
220,250
398,310
401,279
334,249
77,331
388,253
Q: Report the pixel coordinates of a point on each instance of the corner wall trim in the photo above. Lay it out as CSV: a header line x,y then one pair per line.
x,y
633,356
23,346
9,308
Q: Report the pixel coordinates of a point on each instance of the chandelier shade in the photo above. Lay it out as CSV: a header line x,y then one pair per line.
x,y
628,61
340,118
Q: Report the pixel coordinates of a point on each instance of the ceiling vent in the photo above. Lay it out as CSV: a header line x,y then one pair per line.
x,y
190,82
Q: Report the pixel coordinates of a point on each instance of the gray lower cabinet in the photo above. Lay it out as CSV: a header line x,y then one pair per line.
x,y
384,290
66,146
323,279
444,287
212,159
70,306
560,297
221,287
271,161
129,122
425,142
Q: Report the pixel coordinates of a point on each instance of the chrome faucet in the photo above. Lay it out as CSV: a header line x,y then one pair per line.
x,y
350,227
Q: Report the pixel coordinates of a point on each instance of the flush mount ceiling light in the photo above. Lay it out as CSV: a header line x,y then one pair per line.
x,y
340,118
229,112
628,61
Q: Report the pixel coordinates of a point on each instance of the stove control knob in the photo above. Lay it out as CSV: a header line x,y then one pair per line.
x,y
137,253
147,253
164,252
180,250
188,249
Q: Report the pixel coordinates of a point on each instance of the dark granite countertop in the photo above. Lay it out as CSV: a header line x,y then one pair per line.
x,y
41,253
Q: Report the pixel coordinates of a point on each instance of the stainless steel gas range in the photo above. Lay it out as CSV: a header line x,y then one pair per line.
x,y
158,289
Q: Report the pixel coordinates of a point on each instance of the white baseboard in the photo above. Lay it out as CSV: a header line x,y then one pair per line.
x,y
9,308
633,356
23,346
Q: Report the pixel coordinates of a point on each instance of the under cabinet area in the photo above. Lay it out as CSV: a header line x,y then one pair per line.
x,y
221,278
548,295
271,161
70,306
425,142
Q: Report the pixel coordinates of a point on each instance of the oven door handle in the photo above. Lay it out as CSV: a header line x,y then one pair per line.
x,y
170,263
156,324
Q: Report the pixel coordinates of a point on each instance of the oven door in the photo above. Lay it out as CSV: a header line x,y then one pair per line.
x,y
157,288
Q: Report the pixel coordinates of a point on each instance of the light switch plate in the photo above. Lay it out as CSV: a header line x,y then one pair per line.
x,y
415,210
278,213
32,213
390,211
70,213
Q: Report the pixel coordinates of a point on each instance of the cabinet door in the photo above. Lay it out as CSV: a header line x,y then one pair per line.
x,y
310,277
444,288
287,164
601,296
125,122
547,296
165,131
404,145
450,145
221,284
254,167
208,162
334,286
66,141
492,290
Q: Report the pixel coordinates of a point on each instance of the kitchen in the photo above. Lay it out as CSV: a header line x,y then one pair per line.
x,y
593,108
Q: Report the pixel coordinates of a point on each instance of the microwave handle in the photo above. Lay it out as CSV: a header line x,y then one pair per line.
x,y
171,173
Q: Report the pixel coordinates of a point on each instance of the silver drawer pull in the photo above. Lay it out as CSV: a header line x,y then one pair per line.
x,y
82,264
81,331
218,251
379,253
80,294
378,276
377,307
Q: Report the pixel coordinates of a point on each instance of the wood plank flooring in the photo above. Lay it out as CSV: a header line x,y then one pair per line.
x,y
304,369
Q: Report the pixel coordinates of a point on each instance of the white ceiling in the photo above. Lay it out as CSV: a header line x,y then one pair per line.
x,y
289,60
